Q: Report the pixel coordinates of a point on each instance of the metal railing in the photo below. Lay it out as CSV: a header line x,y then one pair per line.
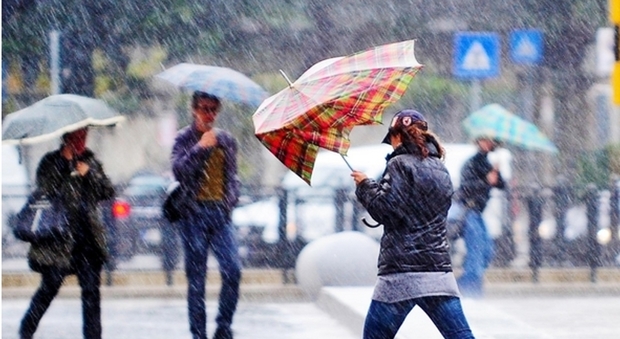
x,y
596,246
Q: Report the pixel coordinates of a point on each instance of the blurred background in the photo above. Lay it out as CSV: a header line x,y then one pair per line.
x,y
551,65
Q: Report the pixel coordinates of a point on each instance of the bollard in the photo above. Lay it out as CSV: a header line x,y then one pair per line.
x,y
562,200
340,199
505,249
169,250
534,205
283,242
594,249
358,210
111,240
614,201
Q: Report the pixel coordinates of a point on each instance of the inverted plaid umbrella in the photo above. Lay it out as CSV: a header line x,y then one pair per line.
x,y
494,121
222,82
321,108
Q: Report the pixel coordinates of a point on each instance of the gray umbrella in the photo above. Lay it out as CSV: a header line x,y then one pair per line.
x,y
55,115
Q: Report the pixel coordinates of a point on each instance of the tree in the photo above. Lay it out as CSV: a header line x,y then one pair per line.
x,y
569,27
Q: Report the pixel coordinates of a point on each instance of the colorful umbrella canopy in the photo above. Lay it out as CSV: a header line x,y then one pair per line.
x,y
329,99
222,82
54,116
494,121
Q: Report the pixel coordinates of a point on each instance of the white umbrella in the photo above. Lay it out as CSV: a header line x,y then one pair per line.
x,y
54,116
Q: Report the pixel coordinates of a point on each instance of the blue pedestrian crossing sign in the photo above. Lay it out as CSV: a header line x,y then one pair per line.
x,y
526,46
476,55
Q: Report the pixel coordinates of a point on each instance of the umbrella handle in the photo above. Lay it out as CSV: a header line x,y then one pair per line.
x,y
369,224
346,162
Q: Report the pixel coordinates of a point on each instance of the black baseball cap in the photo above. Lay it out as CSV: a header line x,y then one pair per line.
x,y
403,118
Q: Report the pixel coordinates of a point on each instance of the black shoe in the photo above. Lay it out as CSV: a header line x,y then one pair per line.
x,y
223,333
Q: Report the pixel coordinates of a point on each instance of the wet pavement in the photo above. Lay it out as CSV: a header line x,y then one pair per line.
x,y
518,317
167,319
338,313
511,310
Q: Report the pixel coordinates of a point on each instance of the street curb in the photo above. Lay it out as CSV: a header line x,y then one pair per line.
x,y
270,285
146,278
248,293
343,313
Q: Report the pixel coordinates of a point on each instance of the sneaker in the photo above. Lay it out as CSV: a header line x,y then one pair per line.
x,y
223,333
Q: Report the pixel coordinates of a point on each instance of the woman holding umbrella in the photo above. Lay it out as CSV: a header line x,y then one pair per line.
x,y
74,178
411,200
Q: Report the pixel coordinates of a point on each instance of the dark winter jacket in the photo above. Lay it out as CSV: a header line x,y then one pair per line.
x,y
411,201
189,165
474,191
80,197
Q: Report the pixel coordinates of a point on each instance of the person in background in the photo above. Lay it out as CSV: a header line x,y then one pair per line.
x,y
74,178
204,162
411,201
478,177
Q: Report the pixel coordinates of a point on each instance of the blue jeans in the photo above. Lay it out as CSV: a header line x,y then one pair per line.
x,y
210,228
384,319
479,246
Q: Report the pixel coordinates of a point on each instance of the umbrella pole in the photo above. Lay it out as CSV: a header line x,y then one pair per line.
x,y
345,160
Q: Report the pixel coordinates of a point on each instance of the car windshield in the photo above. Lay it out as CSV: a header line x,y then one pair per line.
x,y
146,185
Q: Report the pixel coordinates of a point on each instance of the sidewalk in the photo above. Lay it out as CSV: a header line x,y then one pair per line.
x,y
541,317
153,318
338,314
563,305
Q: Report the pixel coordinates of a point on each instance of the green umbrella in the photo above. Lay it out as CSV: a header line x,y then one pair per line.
x,y
494,121
54,116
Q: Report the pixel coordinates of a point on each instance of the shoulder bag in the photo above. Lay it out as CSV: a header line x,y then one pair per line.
x,y
40,219
174,205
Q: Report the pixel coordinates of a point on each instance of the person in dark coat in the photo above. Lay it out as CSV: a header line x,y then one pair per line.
x,y
411,201
73,178
478,177
204,162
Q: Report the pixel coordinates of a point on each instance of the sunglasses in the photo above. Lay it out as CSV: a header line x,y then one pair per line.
x,y
208,108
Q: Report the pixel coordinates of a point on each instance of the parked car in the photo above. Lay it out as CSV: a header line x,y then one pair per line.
x,y
139,225
312,210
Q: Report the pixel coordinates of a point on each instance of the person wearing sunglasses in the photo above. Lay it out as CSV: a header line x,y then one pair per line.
x,y
204,162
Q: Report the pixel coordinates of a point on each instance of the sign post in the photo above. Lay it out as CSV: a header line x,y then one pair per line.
x,y
55,62
476,57
526,48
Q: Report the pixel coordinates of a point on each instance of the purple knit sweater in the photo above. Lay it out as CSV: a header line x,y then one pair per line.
x,y
190,161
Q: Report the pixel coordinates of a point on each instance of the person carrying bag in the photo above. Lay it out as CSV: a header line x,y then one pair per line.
x,y
73,183
44,224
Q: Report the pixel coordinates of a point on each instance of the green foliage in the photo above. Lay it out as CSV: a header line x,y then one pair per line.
x,y
24,34
260,37
432,93
124,102
599,167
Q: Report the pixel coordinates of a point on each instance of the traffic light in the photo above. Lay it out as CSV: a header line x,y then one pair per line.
x,y
614,17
